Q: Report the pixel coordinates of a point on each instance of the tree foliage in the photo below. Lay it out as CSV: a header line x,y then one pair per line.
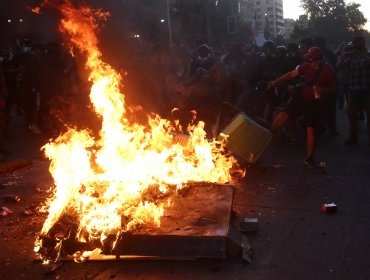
x,y
334,19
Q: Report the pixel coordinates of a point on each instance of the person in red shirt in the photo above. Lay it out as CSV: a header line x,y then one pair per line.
x,y
320,80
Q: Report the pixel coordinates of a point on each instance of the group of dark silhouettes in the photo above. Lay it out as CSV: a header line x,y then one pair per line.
x,y
291,90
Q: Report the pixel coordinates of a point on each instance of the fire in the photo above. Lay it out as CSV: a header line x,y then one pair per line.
x,y
100,181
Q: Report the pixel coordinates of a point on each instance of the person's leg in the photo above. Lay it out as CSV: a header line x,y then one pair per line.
x,y
279,120
33,125
353,109
367,112
332,115
310,141
311,116
310,144
341,97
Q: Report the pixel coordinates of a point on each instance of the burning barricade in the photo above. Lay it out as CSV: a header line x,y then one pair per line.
x,y
111,184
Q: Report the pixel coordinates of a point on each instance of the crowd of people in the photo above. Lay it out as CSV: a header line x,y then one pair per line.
x,y
288,89
36,81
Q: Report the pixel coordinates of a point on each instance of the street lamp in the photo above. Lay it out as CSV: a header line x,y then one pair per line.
x,y
169,23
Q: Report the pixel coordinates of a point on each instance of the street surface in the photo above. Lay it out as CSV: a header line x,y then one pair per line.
x,y
295,239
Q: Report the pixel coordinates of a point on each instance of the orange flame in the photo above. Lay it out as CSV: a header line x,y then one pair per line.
x,y
37,10
102,180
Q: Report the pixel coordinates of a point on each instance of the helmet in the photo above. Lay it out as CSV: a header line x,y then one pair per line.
x,y
203,50
282,50
268,44
313,54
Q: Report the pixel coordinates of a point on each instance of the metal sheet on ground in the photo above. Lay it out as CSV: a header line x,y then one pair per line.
x,y
196,225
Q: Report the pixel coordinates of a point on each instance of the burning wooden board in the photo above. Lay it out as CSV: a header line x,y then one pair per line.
x,y
196,225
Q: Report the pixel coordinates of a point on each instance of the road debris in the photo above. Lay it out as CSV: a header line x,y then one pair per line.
x,y
329,208
28,213
5,211
247,251
249,224
38,189
12,198
323,166
13,165
9,184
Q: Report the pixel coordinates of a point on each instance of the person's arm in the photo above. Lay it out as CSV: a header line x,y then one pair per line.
x,y
364,56
286,77
344,58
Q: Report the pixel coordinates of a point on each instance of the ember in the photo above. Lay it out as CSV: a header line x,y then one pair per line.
x,y
122,180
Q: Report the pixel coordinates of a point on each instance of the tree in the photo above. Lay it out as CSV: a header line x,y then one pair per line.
x,y
333,19
356,19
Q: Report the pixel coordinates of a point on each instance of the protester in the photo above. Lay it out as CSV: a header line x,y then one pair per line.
x,y
357,63
211,91
293,56
235,61
196,79
342,74
3,95
51,84
320,81
330,101
27,72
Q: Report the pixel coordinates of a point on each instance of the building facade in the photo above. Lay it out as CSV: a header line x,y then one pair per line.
x,y
246,10
269,17
289,25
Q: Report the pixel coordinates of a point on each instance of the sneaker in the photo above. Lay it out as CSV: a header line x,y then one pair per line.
x,y
310,163
351,141
34,129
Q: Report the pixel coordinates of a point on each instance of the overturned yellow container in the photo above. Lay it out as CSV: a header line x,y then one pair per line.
x,y
246,138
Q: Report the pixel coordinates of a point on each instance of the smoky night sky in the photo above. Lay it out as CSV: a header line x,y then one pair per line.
x,y
17,20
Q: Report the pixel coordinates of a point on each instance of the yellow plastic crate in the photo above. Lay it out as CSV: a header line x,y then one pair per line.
x,y
246,138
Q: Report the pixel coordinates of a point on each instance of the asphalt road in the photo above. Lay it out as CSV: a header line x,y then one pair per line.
x,y
295,239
